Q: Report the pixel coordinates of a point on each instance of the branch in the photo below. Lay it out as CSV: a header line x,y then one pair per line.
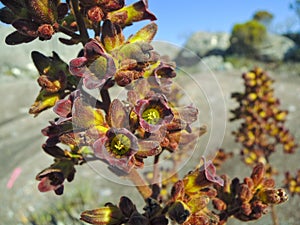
x,y
80,22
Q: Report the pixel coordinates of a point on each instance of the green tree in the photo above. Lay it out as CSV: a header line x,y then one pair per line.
x,y
246,37
263,17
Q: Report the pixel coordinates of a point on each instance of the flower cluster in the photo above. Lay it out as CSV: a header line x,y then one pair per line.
x,y
248,200
55,80
32,19
42,19
124,133
263,127
292,183
147,122
191,195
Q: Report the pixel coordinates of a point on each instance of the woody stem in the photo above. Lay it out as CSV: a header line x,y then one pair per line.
x,y
140,184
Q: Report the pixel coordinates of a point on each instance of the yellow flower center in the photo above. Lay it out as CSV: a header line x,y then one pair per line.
x,y
151,116
120,144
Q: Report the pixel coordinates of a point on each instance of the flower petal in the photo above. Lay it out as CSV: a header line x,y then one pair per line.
x,y
146,34
117,116
78,66
63,107
16,38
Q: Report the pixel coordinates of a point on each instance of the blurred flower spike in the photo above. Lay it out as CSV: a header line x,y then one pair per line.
x,y
263,127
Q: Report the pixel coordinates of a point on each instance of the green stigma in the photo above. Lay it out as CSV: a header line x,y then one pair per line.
x,y
120,144
151,116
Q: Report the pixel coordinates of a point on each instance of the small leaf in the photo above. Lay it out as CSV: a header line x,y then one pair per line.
x,y
54,151
40,61
16,38
7,16
15,6
71,41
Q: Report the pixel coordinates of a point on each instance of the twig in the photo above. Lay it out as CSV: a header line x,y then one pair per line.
x,y
68,32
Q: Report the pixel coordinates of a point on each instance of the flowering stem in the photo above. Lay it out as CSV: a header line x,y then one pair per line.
x,y
156,174
97,29
105,95
80,22
140,184
274,215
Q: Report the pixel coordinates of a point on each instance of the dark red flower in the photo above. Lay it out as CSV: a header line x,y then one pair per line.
x,y
153,112
95,67
118,148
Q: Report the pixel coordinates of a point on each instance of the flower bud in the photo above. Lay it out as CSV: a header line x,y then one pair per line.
x,y
109,215
179,212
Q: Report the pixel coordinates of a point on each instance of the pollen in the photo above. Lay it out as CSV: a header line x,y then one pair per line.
x,y
151,116
120,144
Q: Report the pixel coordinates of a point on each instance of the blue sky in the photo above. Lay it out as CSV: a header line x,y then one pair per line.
x,y
178,19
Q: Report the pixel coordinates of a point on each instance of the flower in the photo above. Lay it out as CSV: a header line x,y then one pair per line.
x,y
118,148
188,207
52,178
153,112
111,57
78,124
95,67
202,177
